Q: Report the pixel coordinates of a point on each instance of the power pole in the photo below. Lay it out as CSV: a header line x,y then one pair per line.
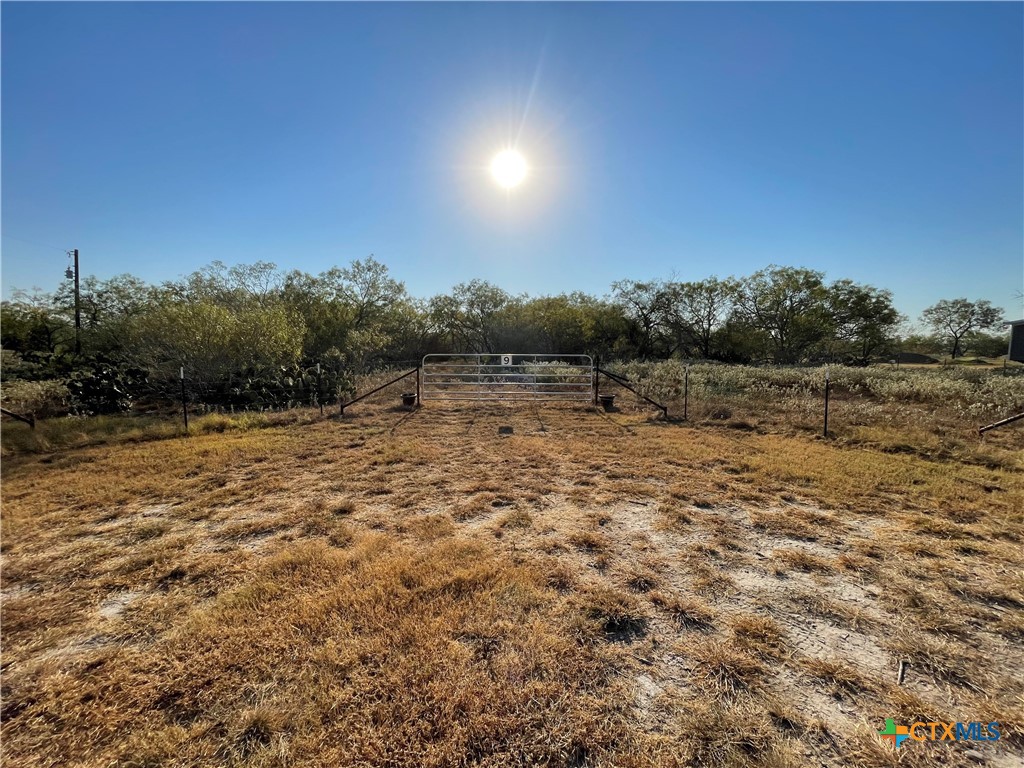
x,y
78,311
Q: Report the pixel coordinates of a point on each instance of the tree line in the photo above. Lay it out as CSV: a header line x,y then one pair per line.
x,y
253,333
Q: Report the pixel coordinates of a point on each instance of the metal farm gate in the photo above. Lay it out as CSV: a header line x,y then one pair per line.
x,y
564,378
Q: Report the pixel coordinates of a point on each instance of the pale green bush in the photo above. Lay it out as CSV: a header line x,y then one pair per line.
x,y
41,398
969,392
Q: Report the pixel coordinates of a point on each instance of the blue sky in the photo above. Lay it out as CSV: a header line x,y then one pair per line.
x,y
880,142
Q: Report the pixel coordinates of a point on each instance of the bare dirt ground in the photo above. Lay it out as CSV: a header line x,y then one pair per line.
x,y
414,588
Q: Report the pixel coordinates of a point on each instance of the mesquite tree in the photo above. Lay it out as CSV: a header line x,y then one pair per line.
x,y
955,318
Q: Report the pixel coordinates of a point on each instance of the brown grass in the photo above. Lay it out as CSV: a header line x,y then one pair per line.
x,y
596,589
785,560
721,667
760,635
837,675
686,612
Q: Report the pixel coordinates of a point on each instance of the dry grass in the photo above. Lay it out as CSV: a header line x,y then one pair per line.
x,y
785,560
617,614
760,635
686,612
413,589
839,676
722,668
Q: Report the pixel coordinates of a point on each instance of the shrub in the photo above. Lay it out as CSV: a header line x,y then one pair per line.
x,y
41,398
969,392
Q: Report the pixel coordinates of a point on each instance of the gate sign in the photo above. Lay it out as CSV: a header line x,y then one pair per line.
x,y
507,377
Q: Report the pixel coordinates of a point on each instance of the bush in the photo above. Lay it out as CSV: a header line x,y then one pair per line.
x,y
966,390
41,398
100,387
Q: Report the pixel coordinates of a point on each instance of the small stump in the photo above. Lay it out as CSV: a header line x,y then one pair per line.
x,y
607,401
408,399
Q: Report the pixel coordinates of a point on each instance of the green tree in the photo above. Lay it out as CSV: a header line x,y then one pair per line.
x,y
30,322
470,317
357,309
864,319
560,324
696,310
106,306
234,287
953,319
646,305
787,307
409,330
214,342
369,291
920,343
326,319
987,344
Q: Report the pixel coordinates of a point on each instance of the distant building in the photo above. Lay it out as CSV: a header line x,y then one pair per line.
x,y
1016,341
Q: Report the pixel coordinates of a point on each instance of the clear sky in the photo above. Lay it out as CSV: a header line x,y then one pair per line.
x,y
880,142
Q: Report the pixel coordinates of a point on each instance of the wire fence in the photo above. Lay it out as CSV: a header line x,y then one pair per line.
x,y
745,397
313,385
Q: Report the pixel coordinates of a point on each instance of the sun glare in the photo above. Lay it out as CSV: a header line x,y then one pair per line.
x,y
508,168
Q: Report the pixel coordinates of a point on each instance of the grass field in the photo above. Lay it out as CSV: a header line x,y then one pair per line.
x,y
414,589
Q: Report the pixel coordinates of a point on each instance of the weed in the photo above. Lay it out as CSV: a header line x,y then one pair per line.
x,y
837,675
721,667
760,635
618,614
517,518
688,613
589,541
784,560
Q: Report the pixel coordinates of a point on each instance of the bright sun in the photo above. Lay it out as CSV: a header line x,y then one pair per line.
x,y
508,168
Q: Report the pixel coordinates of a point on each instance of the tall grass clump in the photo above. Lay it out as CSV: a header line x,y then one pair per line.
x,y
78,431
967,392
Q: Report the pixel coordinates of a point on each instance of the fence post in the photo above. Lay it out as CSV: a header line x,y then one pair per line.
x,y
319,390
418,383
596,376
686,393
825,430
184,399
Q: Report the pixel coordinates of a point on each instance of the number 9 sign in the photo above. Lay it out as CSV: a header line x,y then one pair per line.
x,y
506,359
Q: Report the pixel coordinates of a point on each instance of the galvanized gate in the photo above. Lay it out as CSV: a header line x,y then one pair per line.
x,y
564,378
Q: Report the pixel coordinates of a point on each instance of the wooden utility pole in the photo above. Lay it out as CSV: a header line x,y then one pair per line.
x,y
78,311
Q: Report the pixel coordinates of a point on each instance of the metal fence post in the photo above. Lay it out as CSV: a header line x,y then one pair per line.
x,y
184,399
825,430
597,366
319,390
686,393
